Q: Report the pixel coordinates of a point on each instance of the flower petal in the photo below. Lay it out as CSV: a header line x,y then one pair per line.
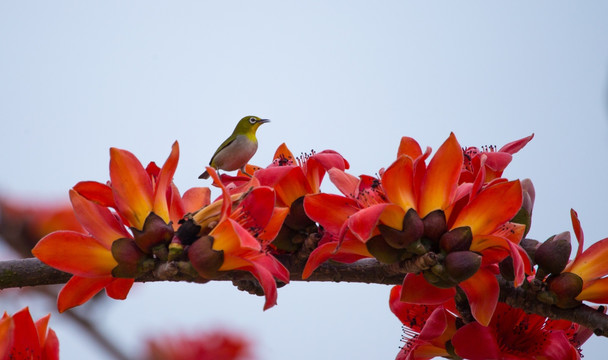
x,y
119,288
578,232
196,198
97,220
284,154
163,186
591,264
75,253
329,210
7,327
493,207
133,191
409,147
416,290
257,207
482,291
364,222
441,178
289,182
79,290
274,225
25,342
97,192
515,146
476,342
596,291
398,183
346,183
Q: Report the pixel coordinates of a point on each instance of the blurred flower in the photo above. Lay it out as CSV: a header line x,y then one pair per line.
x,y
239,239
216,345
21,338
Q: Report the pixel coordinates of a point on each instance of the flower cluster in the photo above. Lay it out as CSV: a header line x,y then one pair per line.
x,y
448,225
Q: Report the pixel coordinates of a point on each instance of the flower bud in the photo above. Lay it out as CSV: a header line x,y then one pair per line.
x,y
411,231
176,249
435,224
506,269
205,260
130,259
461,265
530,246
458,239
552,255
382,251
566,286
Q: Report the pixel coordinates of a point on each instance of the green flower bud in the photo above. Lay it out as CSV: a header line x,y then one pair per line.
x,y
382,251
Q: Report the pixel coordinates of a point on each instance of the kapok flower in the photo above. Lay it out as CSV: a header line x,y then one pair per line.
x,y
293,177
513,334
409,209
216,345
107,255
239,239
590,266
495,161
427,328
22,338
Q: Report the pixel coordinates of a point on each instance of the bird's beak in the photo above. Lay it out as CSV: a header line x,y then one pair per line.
x,y
263,121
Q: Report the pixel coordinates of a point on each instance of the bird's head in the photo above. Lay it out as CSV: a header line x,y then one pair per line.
x,y
249,124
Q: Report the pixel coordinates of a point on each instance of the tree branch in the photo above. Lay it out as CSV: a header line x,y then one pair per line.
x,y
32,272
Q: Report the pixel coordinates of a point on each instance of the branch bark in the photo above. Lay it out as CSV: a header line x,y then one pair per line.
x,y
32,272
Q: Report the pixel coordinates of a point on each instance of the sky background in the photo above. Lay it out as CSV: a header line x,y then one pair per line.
x,y
77,78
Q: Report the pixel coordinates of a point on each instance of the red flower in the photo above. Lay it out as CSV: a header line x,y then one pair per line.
x,y
427,328
136,197
590,265
21,338
218,345
513,334
239,239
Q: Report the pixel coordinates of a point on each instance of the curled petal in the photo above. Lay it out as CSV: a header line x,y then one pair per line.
x,y
289,182
79,290
364,222
97,192
516,145
75,253
349,251
578,232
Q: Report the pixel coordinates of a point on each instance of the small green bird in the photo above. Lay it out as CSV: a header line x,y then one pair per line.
x,y
239,148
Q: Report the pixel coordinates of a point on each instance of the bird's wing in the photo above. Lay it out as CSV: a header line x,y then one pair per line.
x,y
223,146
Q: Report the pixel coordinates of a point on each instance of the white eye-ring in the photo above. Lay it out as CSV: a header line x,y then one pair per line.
x,y
252,120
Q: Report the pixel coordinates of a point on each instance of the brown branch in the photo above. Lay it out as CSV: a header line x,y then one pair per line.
x,y
32,272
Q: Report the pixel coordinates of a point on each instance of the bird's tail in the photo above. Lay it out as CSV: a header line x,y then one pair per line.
x,y
204,175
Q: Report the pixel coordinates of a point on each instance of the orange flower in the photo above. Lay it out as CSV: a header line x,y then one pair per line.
x,y
239,239
590,265
293,177
21,338
140,199
406,212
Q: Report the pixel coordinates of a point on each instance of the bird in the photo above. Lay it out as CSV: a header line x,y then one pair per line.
x,y
239,148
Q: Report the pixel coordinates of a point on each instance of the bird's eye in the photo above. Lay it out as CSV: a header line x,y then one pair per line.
x,y
252,120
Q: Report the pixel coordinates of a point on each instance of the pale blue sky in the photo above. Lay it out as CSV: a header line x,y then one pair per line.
x,y
78,77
